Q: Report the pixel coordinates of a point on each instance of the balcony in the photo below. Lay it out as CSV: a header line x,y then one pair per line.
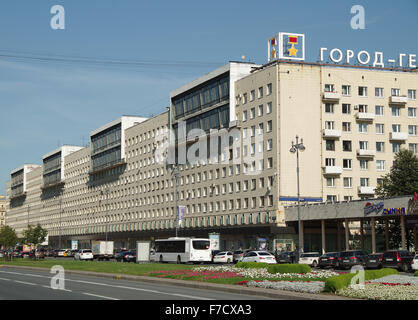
x,y
331,96
364,116
235,123
366,190
107,166
332,170
331,133
364,153
398,136
398,100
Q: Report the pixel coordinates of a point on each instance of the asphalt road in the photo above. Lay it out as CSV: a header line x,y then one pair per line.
x,y
18,284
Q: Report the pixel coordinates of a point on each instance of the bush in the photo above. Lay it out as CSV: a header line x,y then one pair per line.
x,y
416,274
336,283
251,265
289,268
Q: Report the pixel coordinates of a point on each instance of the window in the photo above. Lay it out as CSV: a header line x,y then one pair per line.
x,y
364,182
270,144
347,126
364,145
396,92
362,91
380,165
412,94
396,128
269,89
252,115
364,164
331,198
331,182
362,127
412,112
378,92
329,125
269,126
347,164
245,98
348,182
330,162
413,147
380,128
346,90
380,146
347,145
260,92
329,88
244,116
362,108
260,110
412,130
396,111
346,108
252,95
270,163
330,145
329,108
269,107
396,147
379,110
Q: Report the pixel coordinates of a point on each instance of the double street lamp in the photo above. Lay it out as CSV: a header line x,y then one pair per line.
x,y
295,149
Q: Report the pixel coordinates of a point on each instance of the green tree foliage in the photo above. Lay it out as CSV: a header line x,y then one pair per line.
x,y
34,235
8,237
401,180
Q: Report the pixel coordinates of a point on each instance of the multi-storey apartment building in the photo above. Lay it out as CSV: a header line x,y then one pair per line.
x,y
352,121
2,211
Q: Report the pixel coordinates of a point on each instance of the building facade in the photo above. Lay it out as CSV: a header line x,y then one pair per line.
x,y
128,184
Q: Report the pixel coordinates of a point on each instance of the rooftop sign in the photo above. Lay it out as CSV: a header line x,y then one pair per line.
x,y
286,45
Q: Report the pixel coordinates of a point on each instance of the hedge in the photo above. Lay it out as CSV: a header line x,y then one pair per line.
x,y
289,268
341,281
251,265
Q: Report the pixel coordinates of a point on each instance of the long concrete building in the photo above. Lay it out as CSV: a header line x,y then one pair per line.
x,y
128,184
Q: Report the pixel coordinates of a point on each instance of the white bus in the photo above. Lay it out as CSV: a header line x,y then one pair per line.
x,y
183,250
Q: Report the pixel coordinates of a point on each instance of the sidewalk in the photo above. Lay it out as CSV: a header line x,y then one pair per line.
x,y
270,293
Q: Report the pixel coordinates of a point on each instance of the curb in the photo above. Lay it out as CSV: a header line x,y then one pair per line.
x,y
269,293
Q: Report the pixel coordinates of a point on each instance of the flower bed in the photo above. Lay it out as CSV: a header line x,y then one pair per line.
x,y
382,291
297,286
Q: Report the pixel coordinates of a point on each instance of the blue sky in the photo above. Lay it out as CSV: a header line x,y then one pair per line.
x,y
46,104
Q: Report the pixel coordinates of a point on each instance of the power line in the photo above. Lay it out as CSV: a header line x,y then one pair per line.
x,y
34,57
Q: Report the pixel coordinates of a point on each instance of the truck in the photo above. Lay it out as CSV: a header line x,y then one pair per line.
x,y
102,250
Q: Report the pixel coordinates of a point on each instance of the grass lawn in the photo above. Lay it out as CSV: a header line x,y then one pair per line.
x,y
108,267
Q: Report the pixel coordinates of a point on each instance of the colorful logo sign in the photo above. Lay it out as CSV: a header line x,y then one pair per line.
x,y
286,45
371,207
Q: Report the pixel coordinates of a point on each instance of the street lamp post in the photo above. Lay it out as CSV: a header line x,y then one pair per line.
x,y
295,149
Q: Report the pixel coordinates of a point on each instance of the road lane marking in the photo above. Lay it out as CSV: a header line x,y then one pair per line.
x,y
4,279
49,287
98,296
23,282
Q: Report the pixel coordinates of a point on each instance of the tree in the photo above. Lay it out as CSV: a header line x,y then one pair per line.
x,y
8,237
401,180
34,235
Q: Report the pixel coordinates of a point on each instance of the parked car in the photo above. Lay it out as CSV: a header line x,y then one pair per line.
x,y
223,257
26,255
352,258
399,259
119,256
67,253
259,256
16,254
214,253
84,254
59,253
330,260
414,263
286,257
310,258
1,254
373,261
129,256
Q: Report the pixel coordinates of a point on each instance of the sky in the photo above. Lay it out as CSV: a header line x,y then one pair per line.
x,y
124,57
